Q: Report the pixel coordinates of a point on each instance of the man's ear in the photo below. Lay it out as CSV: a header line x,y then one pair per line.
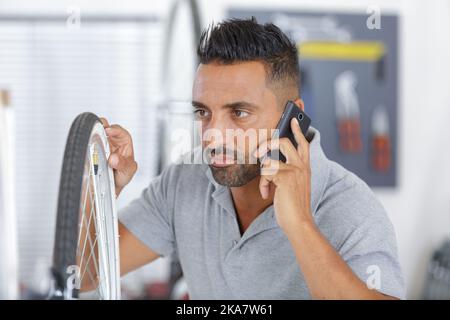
x,y
299,102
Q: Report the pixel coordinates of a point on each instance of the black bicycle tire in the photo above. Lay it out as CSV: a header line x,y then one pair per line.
x,y
67,220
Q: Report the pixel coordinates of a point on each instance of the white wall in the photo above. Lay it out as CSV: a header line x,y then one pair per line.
x,y
420,206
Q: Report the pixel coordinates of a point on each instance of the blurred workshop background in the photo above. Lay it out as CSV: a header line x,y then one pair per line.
x,y
375,79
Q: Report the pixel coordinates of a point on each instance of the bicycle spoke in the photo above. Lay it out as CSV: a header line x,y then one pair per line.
x,y
84,206
92,245
96,238
99,294
92,205
92,248
85,240
87,262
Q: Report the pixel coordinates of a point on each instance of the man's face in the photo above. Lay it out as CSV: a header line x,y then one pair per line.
x,y
236,111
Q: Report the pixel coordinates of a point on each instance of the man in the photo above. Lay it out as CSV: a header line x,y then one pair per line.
x,y
306,228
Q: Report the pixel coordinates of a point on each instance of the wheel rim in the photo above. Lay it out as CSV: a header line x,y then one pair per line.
x,y
97,247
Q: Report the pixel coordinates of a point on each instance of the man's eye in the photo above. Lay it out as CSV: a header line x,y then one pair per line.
x,y
240,113
200,113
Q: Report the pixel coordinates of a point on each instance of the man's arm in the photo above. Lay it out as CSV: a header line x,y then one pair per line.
x,y
327,275
133,253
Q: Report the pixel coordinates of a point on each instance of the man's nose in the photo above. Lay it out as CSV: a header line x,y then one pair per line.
x,y
219,131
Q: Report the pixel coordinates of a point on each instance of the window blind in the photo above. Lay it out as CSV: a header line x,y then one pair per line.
x,y
109,66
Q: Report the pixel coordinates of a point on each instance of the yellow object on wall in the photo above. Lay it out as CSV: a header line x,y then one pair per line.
x,y
358,50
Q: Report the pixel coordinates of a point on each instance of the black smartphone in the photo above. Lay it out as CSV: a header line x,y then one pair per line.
x,y
291,110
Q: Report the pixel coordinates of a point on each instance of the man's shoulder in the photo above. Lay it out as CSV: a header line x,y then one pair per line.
x,y
348,198
350,212
339,195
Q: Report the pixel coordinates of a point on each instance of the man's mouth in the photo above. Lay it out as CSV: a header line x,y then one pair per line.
x,y
222,160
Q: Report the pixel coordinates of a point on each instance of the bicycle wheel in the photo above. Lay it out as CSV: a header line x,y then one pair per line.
x,y
86,253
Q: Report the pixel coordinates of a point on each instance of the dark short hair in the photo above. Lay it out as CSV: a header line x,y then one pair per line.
x,y
237,40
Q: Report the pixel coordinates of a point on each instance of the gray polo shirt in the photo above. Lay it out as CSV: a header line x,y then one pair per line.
x,y
186,213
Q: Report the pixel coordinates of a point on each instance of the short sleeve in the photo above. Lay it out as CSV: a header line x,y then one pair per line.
x,y
149,217
358,227
371,253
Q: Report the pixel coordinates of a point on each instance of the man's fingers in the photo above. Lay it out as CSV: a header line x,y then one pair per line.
x,y
104,122
265,146
113,131
120,141
121,163
114,160
120,138
284,145
271,167
269,171
264,186
289,151
117,132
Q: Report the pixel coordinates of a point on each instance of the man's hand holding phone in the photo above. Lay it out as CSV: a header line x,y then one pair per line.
x,y
121,158
291,180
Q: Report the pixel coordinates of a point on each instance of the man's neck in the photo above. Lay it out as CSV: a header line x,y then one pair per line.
x,y
248,202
